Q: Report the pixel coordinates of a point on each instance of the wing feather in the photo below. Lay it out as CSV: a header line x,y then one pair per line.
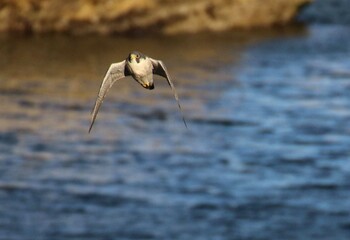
x,y
115,72
160,69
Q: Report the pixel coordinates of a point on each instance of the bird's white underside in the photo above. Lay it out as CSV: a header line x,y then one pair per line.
x,y
144,67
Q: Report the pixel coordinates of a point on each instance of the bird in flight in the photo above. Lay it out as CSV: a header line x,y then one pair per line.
x,y
141,68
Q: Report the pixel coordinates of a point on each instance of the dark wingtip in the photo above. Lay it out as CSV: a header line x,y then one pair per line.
x,y
182,114
183,119
91,124
90,129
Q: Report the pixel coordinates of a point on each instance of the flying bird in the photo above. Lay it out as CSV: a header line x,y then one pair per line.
x,y
141,68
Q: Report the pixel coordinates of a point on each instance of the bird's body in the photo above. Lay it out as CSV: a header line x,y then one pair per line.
x,y
141,68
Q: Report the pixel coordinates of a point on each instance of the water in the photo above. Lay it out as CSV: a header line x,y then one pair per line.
x,y
266,155
326,12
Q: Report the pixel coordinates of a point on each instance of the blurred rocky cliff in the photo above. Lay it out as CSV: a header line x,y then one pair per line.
x,y
129,16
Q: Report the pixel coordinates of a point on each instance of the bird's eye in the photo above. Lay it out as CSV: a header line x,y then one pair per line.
x,y
138,56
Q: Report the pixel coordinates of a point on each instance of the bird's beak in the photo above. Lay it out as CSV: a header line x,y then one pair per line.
x,y
148,86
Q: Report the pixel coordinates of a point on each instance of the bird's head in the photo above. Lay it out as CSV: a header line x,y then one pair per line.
x,y
135,57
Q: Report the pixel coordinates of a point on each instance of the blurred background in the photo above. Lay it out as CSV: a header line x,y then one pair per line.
x,y
265,91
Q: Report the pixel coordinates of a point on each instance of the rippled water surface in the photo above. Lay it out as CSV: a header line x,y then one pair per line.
x,y
266,155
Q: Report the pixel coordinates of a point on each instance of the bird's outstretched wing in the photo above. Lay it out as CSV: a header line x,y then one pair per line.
x,y
115,72
160,69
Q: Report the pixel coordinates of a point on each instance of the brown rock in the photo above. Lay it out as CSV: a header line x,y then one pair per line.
x,y
125,16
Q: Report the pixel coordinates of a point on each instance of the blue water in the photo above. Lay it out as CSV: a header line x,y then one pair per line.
x,y
266,155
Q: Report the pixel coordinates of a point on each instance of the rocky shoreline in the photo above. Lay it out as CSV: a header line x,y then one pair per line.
x,y
133,16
